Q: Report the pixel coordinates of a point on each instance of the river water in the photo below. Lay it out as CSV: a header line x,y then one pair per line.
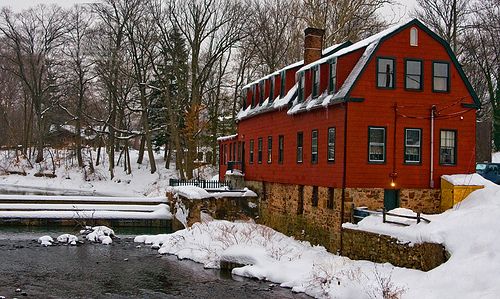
x,y
121,270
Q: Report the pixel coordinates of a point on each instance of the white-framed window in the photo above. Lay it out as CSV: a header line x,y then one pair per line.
x,y
413,37
262,91
413,74
250,160
300,147
413,146
376,144
259,150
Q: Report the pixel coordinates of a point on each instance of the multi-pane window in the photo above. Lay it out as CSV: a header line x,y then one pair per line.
x,y
376,144
301,80
250,160
413,37
300,147
413,145
315,81
413,75
314,146
282,84
440,76
262,92
271,89
269,149
447,148
385,72
331,145
332,75
259,150
281,148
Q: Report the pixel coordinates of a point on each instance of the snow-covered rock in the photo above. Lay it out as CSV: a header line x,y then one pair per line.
x,y
46,240
67,238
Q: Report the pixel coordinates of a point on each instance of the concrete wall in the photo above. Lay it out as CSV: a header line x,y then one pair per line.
x,y
360,245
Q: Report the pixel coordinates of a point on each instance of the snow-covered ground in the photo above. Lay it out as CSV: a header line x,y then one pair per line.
x,y
73,179
469,231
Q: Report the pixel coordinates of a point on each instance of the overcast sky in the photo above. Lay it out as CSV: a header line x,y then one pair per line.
x,y
398,13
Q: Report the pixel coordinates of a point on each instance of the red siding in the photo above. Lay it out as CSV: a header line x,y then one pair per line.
x,y
377,109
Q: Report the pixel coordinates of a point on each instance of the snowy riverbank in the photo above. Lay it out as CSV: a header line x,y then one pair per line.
x,y
469,231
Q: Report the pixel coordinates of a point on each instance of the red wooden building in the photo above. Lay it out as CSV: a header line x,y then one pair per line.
x,y
390,113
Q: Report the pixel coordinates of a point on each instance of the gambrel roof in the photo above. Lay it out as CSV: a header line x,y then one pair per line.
x,y
370,44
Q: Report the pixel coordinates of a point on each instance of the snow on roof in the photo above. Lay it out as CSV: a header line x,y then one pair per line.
x,y
267,106
225,138
288,67
473,179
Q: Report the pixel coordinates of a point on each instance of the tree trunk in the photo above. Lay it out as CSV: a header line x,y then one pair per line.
x,y
140,158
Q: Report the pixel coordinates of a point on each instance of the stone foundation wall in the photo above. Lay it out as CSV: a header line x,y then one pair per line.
x,y
360,245
291,209
305,212
226,208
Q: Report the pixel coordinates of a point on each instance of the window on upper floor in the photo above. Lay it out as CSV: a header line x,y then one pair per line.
x,y
281,148
244,96
376,144
301,82
269,149
413,37
262,92
315,81
254,89
440,76
331,145
448,147
271,89
413,146
332,75
259,150
300,147
282,84
413,74
314,146
250,160
385,72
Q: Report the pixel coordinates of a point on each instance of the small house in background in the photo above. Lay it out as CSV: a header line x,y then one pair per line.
x,y
374,123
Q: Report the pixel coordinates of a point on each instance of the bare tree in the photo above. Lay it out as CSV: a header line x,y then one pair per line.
x,y
210,27
32,38
447,17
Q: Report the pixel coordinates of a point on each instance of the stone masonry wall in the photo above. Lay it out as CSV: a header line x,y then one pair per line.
x,y
361,245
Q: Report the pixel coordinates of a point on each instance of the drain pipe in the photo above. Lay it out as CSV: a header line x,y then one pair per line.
x,y
431,182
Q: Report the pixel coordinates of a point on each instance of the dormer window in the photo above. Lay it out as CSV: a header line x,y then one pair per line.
x,y
315,81
261,92
282,84
413,37
254,89
271,89
301,82
332,75
244,96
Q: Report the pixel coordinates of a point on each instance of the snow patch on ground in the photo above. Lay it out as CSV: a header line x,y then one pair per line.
x,y
469,231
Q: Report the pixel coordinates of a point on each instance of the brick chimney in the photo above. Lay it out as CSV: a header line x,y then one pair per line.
x,y
313,44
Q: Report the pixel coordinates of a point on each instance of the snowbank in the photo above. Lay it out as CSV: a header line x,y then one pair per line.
x,y
469,231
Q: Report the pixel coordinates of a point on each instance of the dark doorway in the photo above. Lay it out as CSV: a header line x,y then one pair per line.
x,y
391,199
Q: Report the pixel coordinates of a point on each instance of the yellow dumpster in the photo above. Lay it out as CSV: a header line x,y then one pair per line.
x,y
452,194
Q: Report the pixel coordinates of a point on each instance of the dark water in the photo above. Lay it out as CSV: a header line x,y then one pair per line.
x,y
118,271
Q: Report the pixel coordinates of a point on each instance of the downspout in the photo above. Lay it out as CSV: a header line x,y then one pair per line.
x,y
344,179
431,181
